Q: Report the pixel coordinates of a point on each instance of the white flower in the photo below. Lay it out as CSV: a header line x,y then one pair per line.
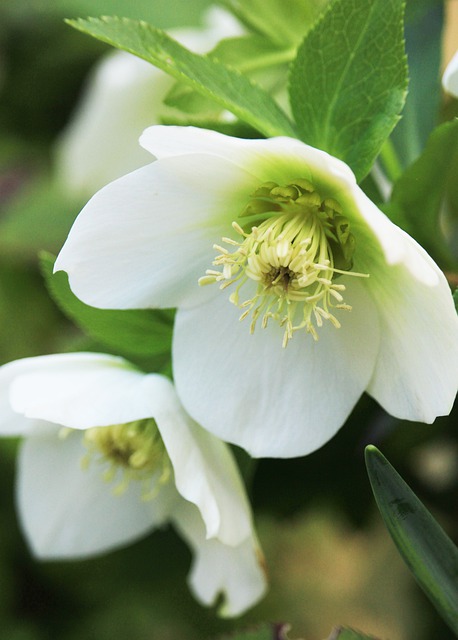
x,y
109,454
338,299
450,77
124,95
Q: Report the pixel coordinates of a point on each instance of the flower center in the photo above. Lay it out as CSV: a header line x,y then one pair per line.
x,y
133,451
301,246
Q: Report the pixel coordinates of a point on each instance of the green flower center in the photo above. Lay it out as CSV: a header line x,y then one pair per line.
x,y
301,246
134,452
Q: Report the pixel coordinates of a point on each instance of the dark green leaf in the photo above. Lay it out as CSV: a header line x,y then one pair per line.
x,y
455,298
348,83
428,551
416,9
417,196
229,88
28,318
139,332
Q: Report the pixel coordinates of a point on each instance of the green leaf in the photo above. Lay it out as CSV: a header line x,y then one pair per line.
x,y
418,194
140,332
423,46
256,55
455,298
342,633
427,550
211,78
269,17
416,9
28,318
251,53
183,97
348,83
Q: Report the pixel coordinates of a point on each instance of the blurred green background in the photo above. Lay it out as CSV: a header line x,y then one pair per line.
x,y
330,559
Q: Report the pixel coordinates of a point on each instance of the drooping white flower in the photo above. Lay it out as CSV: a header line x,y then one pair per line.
x,y
450,77
311,294
124,95
109,454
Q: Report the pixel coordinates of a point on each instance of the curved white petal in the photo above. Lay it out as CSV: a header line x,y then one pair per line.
x,y
280,159
218,24
374,231
450,77
11,422
123,96
416,375
68,512
86,390
284,159
235,572
145,239
205,472
83,390
271,401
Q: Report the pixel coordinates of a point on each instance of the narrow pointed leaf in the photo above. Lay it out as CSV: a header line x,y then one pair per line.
x,y
348,83
211,78
425,547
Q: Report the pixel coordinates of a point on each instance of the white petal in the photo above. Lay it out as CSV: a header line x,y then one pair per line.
x,y
11,422
416,375
68,512
274,402
380,242
83,390
283,159
205,472
124,95
88,390
450,77
218,24
146,239
235,572
280,159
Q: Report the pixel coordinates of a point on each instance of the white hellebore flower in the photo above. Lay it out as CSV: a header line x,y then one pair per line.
x,y
109,454
450,77
125,95
311,295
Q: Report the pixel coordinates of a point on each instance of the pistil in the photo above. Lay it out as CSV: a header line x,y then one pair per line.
x,y
297,248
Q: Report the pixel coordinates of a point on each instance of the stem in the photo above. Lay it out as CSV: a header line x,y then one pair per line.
x,y
391,163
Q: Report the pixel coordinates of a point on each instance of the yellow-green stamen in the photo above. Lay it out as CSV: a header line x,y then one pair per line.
x,y
134,451
301,245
